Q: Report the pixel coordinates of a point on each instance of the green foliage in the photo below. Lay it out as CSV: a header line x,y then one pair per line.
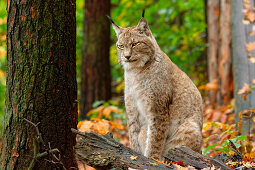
x,y
110,110
223,148
79,35
2,60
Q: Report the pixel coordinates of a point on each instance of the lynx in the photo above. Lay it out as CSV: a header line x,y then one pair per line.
x,y
164,108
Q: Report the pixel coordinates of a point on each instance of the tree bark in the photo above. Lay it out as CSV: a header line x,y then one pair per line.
x,y
243,69
219,51
95,69
103,152
41,83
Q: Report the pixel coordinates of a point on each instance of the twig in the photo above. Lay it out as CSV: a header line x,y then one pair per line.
x,y
49,151
37,130
237,156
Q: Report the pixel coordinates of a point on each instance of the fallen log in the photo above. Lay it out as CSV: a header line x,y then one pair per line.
x,y
103,152
197,160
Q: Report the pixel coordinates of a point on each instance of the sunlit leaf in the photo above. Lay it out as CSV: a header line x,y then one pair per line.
x,y
250,15
132,157
250,46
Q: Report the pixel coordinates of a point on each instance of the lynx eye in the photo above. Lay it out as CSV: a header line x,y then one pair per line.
x,y
135,44
120,46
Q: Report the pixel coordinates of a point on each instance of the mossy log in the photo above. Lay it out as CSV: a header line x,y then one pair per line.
x,y
103,152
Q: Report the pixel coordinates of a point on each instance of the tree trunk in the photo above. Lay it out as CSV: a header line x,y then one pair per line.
x,y
243,69
41,83
219,52
95,69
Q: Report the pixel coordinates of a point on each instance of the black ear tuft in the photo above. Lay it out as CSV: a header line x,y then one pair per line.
x,y
143,13
116,28
111,20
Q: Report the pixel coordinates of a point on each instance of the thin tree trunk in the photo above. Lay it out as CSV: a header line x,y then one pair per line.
x,y
95,69
41,83
213,28
219,51
225,60
243,69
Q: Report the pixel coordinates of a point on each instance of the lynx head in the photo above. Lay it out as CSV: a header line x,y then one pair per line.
x,y
135,45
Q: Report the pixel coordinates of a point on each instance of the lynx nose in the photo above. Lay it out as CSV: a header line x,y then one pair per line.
x,y
127,57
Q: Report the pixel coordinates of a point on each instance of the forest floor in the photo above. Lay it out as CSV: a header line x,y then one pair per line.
x,y
218,128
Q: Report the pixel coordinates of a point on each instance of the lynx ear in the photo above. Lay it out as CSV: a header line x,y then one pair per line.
x,y
116,28
142,25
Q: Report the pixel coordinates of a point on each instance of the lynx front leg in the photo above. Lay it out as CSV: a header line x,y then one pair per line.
x,y
133,126
156,136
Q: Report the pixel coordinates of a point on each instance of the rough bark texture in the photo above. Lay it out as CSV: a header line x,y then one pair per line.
x,y
243,69
41,82
219,51
189,157
103,152
95,69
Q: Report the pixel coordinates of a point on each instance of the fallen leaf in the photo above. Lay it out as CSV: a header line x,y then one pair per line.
x,y
153,164
251,33
250,55
245,88
15,154
213,85
246,3
250,15
250,46
252,59
179,163
246,22
132,157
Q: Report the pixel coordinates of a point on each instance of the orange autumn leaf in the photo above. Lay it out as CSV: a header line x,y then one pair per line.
x,y
250,46
209,86
250,15
179,163
107,111
116,125
101,127
15,154
132,157
251,34
246,88
246,3
245,91
153,164
250,55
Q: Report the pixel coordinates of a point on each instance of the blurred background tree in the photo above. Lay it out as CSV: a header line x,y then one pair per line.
x,y
219,56
95,67
243,44
2,60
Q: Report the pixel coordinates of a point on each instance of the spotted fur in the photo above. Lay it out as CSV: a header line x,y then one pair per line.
x,y
164,107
